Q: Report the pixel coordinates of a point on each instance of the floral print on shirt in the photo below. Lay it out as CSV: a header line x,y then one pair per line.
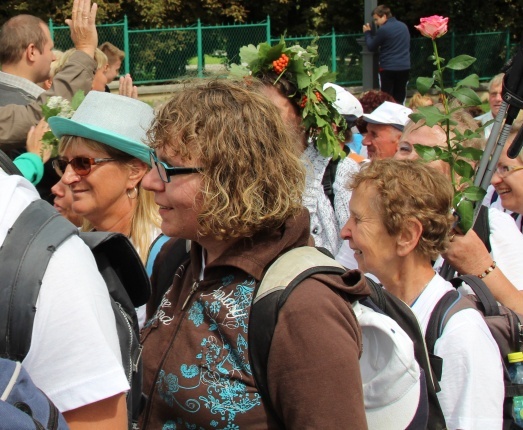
x,y
221,362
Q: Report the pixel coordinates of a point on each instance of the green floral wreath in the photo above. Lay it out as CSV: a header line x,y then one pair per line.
x,y
324,124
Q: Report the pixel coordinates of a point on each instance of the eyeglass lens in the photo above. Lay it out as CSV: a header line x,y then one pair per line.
x,y
81,165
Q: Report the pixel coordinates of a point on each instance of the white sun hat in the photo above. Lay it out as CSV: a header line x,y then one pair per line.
x,y
346,104
388,355
389,113
111,119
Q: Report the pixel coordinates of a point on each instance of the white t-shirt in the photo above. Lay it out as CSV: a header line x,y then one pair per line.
x,y
74,355
472,388
506,242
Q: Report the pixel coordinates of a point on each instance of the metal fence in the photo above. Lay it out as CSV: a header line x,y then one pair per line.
x,y
172,54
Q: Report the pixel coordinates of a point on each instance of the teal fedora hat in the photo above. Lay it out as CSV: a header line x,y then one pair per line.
x,y
117,121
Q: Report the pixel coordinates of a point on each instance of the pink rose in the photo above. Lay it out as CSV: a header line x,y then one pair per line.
x,y
434,26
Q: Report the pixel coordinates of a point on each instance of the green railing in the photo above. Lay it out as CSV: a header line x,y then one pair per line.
x,y
171,54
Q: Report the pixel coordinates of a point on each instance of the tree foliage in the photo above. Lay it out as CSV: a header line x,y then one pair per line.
x,y
295,17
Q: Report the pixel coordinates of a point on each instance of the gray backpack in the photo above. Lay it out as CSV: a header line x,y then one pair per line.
x,y
23,406
24,256
505,325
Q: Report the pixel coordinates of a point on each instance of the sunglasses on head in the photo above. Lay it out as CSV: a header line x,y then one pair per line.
x,y
81,165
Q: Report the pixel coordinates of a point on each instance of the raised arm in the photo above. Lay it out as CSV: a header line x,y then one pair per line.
x,y
16,120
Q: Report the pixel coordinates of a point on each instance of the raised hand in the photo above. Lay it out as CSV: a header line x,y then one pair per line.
x,y
127,88
82,26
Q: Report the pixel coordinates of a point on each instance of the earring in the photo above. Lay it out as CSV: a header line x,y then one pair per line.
x,y
132,193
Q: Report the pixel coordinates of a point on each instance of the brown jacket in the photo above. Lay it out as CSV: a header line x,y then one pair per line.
x,y
16,120
196,362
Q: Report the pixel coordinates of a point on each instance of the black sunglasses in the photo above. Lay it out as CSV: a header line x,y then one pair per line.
x,y
165,171
81,165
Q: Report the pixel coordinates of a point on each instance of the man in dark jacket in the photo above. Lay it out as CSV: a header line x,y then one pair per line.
x,y
393,41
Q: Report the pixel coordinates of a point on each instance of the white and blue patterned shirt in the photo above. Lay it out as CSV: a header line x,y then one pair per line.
x,y
326,221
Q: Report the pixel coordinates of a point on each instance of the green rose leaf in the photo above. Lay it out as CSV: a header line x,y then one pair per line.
x,y
424,84
467,96
427,153
460,62
471,153
463,169
445,155
465,209
416,116
474,194
432,115
469,81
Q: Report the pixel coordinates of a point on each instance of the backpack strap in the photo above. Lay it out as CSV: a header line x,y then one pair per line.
x,y
400,312
128,286
280,279
7,165
25,254
483,293
450,304
328,179
173,253
154,249
482,227
114,253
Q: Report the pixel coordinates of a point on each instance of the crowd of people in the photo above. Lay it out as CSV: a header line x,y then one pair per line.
x,y
231,168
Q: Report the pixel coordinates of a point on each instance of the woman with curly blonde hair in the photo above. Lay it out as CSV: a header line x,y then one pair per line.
x,y
400,219
227,176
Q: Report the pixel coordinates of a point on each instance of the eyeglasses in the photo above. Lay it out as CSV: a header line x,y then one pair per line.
x,y
81,165
165,171
504,171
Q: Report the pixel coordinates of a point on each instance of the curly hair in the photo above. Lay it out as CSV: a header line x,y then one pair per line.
x,y
408,189
370,100
418,100
252,176
145,221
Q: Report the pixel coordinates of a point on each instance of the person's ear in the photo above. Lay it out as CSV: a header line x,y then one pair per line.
x,y
30,52
137,171
409,237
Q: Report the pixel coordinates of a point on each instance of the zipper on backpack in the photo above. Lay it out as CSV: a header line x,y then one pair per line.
x,y
135,364
130,328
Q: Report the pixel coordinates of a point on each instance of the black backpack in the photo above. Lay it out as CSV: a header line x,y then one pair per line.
x,y
25,254
264,317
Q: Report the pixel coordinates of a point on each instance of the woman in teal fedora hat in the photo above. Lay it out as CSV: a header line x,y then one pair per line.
x,y
103,160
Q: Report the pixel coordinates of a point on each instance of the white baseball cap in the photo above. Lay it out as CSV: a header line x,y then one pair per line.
x,y
390,373
346,104
389,113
